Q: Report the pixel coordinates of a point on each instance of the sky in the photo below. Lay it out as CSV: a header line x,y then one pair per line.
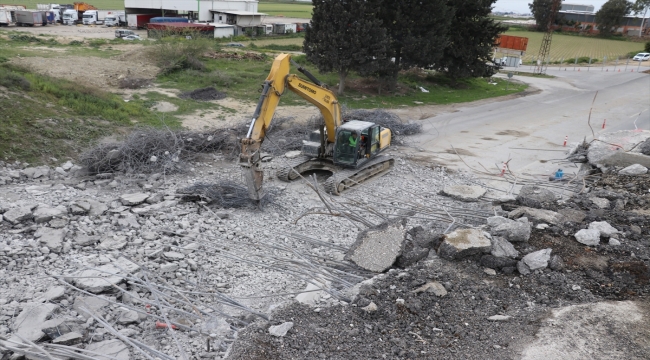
x,y
521,6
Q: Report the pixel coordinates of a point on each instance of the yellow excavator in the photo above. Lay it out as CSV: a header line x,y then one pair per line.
x,y
350,150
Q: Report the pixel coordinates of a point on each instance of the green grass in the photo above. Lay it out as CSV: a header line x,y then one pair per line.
x,y
242,79
24,45
57,118
288,9
572,46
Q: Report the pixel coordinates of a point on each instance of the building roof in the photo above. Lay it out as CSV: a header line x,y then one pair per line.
x,y
238,12
217,25
179,25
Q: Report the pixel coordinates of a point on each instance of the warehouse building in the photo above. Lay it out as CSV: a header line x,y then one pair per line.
x,y
582,18
244,11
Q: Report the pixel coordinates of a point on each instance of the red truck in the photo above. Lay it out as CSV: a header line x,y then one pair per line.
x,y
139,21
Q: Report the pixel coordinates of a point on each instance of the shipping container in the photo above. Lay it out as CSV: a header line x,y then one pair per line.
x,y
6,18
139,21
284,28
28,18
168,19
512,42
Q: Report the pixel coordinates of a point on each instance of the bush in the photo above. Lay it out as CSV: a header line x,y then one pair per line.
x,y
647,47
25,38
12,80
177,54
75,43
283,47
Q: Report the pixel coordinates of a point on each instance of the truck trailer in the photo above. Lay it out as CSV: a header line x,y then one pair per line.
x,y
6,17
138,21
95,17
28,18
56,10
75,15
115,19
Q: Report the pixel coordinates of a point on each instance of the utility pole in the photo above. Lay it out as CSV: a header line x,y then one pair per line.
x,y
545,49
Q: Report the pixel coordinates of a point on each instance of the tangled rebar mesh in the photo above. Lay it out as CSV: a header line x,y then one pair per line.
x,y
149,150
385,119
225,194
157,150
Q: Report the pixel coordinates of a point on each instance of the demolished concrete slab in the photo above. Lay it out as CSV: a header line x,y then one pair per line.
x,y
634,170
465,193
509,229
463,243
535,197
376,249
619,149
104,277
31,321
536,215
113,349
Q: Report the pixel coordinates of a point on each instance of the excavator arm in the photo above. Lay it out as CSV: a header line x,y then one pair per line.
x,y
276,84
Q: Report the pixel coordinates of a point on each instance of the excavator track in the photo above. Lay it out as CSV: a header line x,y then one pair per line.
x,y
348,178
287,173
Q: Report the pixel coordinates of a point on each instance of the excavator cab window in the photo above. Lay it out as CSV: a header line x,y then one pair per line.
x,y
347,147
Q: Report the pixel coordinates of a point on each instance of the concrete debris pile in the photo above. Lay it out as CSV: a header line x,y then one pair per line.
x,y
620,149
480,292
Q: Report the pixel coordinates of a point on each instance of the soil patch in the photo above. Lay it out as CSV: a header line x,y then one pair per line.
x,y
513,133
133,83
204,94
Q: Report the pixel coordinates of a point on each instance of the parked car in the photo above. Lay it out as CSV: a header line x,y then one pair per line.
x,y
234,44
132,37
641,57
120,33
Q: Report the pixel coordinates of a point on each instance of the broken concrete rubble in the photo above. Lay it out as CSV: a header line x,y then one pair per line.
x,y
30,321
133,199
18,214
634,170
503,248
464,192
104,277
537,215
604,228
624,153
281,330
376,249
590,237
464,242
536,197
537,259
116,349
508,229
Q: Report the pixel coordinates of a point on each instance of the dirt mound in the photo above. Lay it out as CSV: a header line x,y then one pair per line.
x,y
204,94
133,83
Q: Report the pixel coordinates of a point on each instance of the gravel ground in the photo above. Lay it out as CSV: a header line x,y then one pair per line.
x,y
236,267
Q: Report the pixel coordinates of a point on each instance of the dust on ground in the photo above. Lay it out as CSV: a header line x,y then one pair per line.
x,y
93,72
66,33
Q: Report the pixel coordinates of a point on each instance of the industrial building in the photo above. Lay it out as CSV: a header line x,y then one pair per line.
x,y
582,18
233,16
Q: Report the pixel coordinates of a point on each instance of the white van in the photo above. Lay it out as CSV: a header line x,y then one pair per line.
x,y
120,33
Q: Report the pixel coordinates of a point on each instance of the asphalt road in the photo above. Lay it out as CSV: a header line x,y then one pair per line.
x,y
530,130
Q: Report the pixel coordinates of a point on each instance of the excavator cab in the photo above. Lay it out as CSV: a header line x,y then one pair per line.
x,y
356,143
